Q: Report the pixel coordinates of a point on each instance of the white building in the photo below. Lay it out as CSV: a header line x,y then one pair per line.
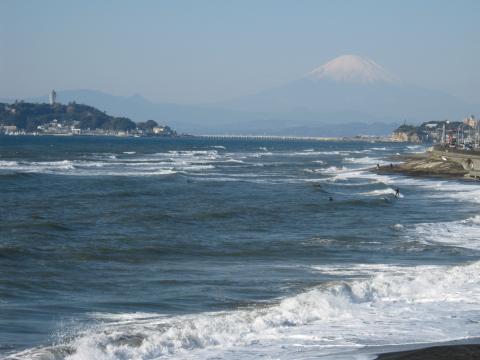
x,y
157,130
52,97
470,121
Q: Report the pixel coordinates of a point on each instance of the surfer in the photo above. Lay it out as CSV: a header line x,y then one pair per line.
x,y
330,198
378,166
397,192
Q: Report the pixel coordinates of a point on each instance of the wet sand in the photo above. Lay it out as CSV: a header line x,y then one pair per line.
x,y
446,352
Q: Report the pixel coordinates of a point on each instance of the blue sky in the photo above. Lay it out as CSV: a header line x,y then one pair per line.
x,y
202,51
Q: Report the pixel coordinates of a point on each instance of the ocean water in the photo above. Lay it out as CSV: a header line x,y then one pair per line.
x,y
126,248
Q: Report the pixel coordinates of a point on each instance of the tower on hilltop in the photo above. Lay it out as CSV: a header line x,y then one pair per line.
x,y
52,98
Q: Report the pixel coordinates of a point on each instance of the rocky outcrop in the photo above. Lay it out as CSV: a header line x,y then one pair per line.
x,y
428,164
402,136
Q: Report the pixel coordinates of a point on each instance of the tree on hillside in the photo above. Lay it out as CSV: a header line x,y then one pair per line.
x,y
121,124
147,125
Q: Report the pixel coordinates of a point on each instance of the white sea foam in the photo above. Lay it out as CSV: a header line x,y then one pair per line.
x,y
7,164
344,173
378,305
461,233
365,160
47,167
258,155
132,165
312,152
313,171
334,170
231,160
416,149
379,192
440,189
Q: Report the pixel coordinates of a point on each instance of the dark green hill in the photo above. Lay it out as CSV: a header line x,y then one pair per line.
x,y
28,116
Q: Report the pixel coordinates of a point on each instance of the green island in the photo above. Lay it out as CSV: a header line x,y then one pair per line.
x,y
23,118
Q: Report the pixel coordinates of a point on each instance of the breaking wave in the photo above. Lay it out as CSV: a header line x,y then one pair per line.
x,y
379,192
461,233
378,306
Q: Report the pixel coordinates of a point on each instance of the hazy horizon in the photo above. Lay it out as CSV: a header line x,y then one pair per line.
x,y
190,53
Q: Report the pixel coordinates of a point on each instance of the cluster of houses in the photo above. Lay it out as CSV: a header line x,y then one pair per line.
x,y
10,130
459,134
56,127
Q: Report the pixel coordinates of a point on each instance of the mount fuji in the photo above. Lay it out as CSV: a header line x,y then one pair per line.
x,y
352,69
352,88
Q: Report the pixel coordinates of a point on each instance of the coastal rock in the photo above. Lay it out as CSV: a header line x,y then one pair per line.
x,y
428,164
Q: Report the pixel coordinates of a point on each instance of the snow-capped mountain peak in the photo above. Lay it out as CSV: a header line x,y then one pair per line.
x,y
352,69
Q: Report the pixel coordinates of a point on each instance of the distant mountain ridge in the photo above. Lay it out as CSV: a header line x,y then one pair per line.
x,y
211,120
348,95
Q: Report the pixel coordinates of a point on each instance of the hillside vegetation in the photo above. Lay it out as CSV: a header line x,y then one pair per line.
x,y
28,116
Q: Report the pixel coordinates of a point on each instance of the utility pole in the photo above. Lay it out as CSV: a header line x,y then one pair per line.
x,y
475,135
443,135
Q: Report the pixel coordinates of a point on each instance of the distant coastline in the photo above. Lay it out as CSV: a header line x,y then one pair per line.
x,y
362,138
